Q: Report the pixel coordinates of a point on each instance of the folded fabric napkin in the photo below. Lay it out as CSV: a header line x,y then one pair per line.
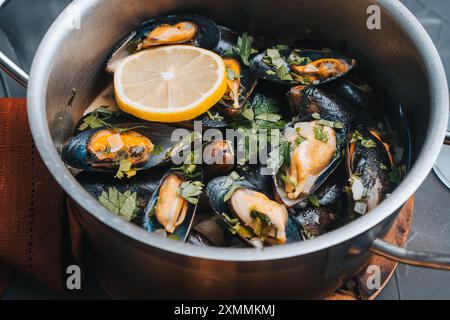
x,y
35,231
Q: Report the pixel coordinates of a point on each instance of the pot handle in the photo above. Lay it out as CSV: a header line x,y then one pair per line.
x,y
411,257
12,69
423,259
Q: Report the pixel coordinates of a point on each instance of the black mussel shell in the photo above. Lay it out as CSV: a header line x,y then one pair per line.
x,y
332,193
197,239
75,152
368,166
228,41
211,226
212,119
341,144
254,175
360,97
267,72
207,36
216,191
313,221
150,222
309,100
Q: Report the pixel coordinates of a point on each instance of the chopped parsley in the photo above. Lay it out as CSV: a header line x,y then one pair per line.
x,y
157,150
314,200
231,185
125,169
244,48
327,123
263,226
397,174
300,139
190,190
320,134
98,118
122,204
367,143
231,75
189,167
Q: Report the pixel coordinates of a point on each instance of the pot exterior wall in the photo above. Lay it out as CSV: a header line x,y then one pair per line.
x,y
152,273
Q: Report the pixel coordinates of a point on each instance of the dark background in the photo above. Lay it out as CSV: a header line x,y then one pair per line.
x,y
24,22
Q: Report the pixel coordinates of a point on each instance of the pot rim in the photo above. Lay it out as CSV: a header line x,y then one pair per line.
x,y
439,98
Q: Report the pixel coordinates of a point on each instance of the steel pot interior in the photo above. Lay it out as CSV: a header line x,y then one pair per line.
x,y
400,56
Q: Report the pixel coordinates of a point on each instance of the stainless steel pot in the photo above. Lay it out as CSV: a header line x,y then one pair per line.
x,y
400,56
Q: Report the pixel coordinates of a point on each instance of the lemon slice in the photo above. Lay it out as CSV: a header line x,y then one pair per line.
x,y
170,84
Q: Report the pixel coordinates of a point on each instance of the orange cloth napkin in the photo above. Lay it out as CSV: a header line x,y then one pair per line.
x,y
34,227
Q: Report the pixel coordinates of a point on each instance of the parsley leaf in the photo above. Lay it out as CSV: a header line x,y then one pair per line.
x,y
96,119
244,48
231,75
314,200
190,190
122,204
319,134
367,143
231,184
125,169
157,150
189,168
397,174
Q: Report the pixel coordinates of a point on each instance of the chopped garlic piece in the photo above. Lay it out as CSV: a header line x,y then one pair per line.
x,y
115,142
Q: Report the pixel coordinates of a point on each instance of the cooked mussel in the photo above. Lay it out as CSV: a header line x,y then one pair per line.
x,y
142,146
218,159
240,85
172,206
316,149
249,213
167,30
300,66
369,162
309,100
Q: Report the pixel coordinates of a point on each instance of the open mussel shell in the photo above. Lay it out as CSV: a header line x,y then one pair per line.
x,y
309,67
77,152
216,191
240,84
368,163
228,41
305,101
306,149
167,212
198,31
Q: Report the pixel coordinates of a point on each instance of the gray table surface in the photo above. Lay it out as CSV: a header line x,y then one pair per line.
x,y
24,22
